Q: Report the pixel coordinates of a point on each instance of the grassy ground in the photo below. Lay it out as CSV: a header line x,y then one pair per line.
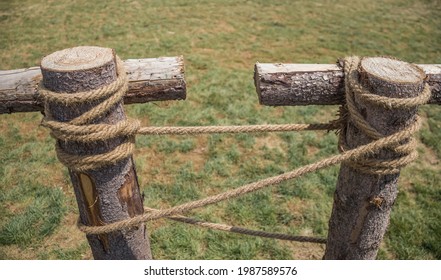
x,y
221,41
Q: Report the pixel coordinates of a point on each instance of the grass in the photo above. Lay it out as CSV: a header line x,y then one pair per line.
x,y
221,41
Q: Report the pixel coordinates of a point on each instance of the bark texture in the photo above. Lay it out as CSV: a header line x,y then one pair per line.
x,y
316,84
110,193
150,79
362,202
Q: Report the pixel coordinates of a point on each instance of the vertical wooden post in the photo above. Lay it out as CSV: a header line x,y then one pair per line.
x,y
109,193
362,202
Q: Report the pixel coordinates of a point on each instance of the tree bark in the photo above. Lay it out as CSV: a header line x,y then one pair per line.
x,y
362,202
316,84
150,79
110,193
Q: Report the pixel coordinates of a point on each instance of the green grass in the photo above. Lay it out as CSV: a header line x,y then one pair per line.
x,y
220,41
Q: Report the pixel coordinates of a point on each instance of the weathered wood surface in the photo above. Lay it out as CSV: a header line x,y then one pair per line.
x,y
316,84
362,202
110,193
150,79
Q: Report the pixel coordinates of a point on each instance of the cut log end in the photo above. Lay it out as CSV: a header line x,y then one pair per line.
x,y
392,70
77,59
389,75
76,64
257,82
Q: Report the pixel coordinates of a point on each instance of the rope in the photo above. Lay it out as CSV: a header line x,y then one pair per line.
x,y
405,150
356,153
80,129
240,230
234,129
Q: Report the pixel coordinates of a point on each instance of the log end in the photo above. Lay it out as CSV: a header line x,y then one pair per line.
x,y
384,73
93,66
77,59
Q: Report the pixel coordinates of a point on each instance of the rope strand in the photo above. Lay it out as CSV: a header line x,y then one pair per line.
x,y
192,130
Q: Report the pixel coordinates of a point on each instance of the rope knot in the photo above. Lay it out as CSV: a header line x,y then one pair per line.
x,y
83,129
404,149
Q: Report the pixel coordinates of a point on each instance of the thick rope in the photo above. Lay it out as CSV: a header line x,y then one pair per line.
x,y
406,150
183,130
80,129
240,230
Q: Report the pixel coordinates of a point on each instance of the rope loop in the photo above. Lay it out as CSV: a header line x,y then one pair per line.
x,y
404,150
82,129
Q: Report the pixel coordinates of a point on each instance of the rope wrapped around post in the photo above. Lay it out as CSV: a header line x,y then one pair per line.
x,y
406,149
81,129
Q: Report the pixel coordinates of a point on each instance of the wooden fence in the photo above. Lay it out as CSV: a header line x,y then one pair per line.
x,y
362,200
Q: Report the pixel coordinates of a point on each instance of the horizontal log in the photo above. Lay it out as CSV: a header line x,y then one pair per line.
x,y
316,84
150,79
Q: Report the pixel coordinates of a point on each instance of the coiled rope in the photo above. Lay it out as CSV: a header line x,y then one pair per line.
x,y
405,150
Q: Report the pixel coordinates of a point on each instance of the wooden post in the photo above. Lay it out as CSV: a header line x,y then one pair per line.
x,y
150,79
110,193
362,202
